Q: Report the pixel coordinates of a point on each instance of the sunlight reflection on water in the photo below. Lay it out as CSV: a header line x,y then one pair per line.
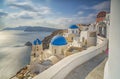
x,y
13,54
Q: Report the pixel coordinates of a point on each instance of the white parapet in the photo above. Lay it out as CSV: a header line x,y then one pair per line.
x,y
61,69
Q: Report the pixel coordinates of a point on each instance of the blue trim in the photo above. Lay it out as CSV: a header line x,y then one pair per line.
x,y
58,40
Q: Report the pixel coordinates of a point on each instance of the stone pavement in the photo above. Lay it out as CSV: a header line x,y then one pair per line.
x,y
98,72
83,70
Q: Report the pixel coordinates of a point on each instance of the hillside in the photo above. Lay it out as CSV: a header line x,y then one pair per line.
x,y
46,40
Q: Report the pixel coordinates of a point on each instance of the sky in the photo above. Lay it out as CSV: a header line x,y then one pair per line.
x,y
50,13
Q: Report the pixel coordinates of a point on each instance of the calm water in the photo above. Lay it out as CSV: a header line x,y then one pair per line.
x,y
12,38
13,54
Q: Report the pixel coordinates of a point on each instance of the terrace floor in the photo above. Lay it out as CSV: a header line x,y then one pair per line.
x,y
92,69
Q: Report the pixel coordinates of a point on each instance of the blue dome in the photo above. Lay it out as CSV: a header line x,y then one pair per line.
x,y
73,27
34,42
37,42
58,40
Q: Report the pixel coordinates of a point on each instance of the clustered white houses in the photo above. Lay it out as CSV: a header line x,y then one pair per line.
x,y
77,37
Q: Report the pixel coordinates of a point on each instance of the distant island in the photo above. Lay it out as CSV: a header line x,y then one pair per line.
x,y
31,28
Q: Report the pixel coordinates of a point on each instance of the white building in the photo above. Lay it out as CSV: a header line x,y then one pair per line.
x,y
73,33
73,29
92,35
39,58
89,37
103,26
58,45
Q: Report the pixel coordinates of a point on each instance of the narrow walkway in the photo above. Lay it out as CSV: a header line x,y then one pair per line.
x,y
83,70
98,72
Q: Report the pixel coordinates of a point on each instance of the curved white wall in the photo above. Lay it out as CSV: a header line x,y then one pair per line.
x,y
63,67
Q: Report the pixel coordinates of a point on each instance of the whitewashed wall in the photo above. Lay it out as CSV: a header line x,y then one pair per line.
x,y
58,49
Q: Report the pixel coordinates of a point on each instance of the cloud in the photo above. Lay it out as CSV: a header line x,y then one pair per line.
x,y
105,5
23,15
29,6
86,19
30,13
3,13
64,22
28,10
89,19
45,10
24,5
102,6
57,22
80,12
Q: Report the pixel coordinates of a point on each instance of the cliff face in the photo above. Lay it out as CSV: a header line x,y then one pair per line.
x,y
47,39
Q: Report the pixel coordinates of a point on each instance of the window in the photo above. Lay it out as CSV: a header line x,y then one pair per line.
x,y
34,54
63,51
76,31
55,51
71,38
94,27
83,39
37,49
92,34
72,31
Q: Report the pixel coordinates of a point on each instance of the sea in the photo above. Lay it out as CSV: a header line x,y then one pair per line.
x,y
14,55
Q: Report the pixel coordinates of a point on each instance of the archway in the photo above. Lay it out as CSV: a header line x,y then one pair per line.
x,y
102,30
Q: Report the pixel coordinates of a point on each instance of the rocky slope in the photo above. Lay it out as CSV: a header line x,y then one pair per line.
x,y
47,39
